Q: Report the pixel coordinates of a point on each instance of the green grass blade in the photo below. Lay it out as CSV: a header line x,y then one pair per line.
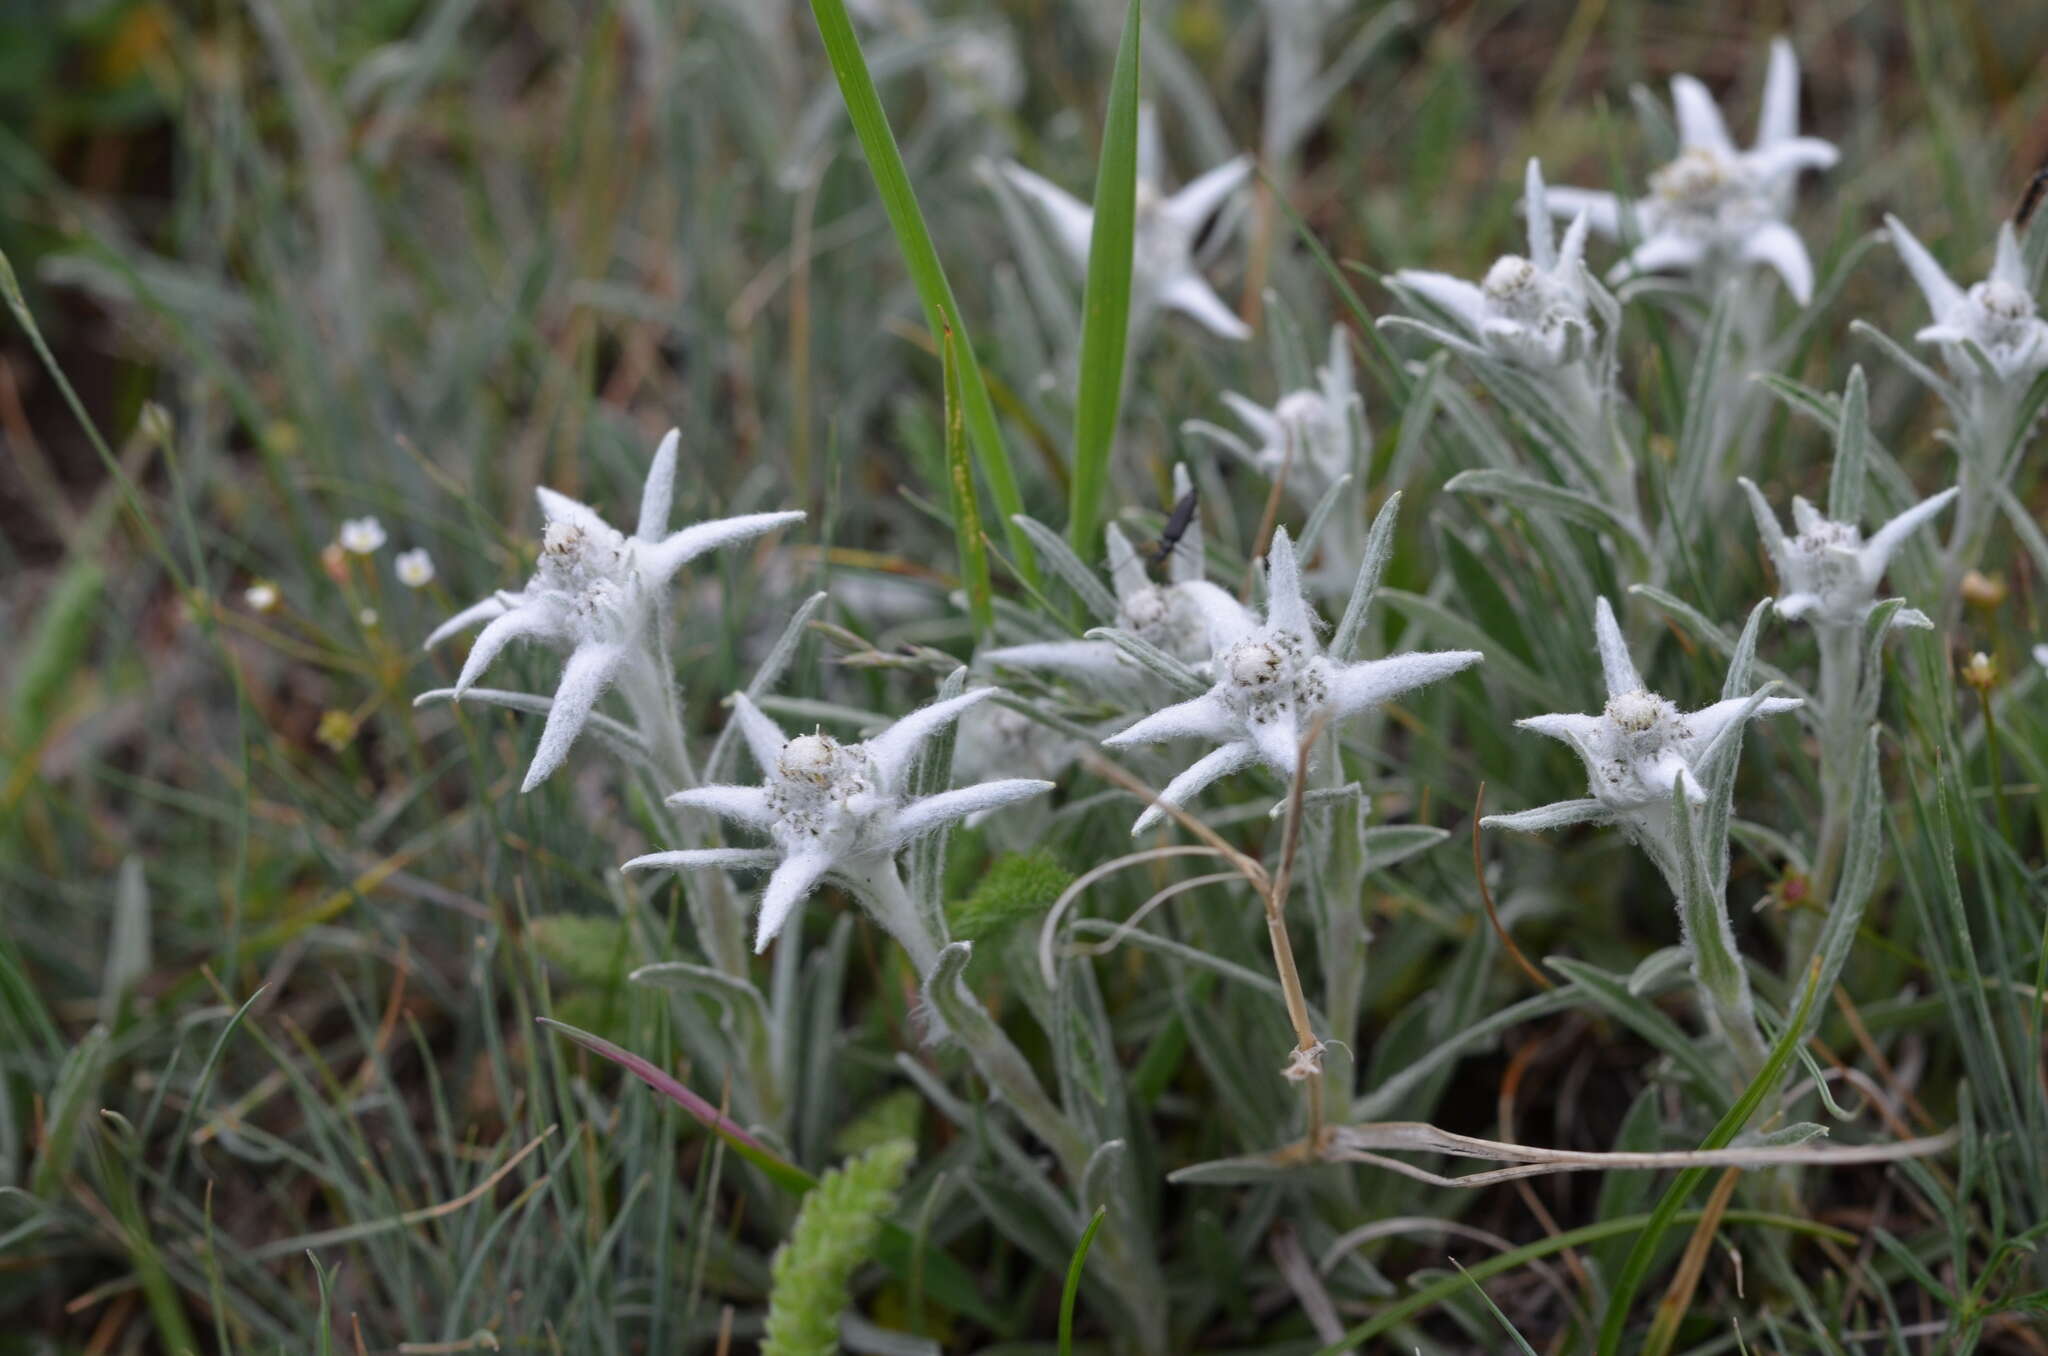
x,y
1436,1292
945,1279
941,311
1072,1289
966,512
1636,1268
1106,302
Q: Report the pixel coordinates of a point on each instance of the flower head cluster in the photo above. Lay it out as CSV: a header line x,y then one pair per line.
x,y
1714,206
1828,573
594,593
1993,331
835,809
1533,311
1173,617
1275,686
1309,435
1639,751
1164,275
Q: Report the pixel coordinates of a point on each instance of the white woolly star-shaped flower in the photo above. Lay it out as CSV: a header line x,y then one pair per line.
x,y
1309,432
1996,318
1828,573
1716,206
839,810
1527,311
1274,685
1163,271
1173,616
1638,751
594,593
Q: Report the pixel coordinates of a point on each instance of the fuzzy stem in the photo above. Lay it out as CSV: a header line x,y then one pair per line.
x,y
1837,706
883,894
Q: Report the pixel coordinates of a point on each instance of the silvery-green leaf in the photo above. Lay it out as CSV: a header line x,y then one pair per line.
x,y
128,947
1799,1132
1446,627
1852,452
615,733
766,675
1389,844
732,992
1926,375
1707,414
1526,492
1319,515
1416,417
1379,545
1656,971
1556,815
1154,660
1053,550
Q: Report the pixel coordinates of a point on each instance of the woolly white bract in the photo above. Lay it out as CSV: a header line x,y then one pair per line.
x,y
1989,333
1637,751
839,810
595,593
1173,617
1828,573
1716,207
1274,685
1307,435
1528,311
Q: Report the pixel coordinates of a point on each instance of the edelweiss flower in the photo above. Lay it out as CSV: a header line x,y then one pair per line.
x,y
1163,272
361,536
1174,616
415,568
1637,751
1308,432
594,593
1829,574
1529,311
1996,317
1273,686
839,810
1715,206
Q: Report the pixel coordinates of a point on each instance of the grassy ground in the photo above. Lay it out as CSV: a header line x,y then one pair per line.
x,y
275,940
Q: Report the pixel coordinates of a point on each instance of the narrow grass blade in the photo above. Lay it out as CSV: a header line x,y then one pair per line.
x,y
945,1279
941,311
973,546
1071,1291
1636,1268
1106,302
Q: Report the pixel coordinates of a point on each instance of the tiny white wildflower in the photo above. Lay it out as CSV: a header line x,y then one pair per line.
x,y
1529,311
839,810
367,618
1273,686
1828,573
1995,318
1164,275
261,596
361,536
594,593
1714,206
1638,751
415,568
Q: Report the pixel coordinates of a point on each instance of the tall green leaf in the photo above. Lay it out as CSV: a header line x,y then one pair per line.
x,y
941,311
966,512
1106,302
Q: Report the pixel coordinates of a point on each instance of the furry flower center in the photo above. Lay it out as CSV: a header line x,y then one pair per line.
x,y
1272,674
815,777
